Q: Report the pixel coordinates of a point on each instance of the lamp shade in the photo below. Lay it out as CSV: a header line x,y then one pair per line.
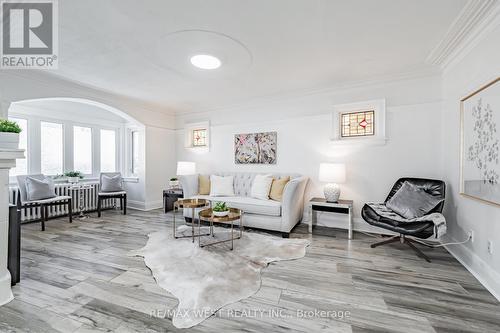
x,y
186,168
332,173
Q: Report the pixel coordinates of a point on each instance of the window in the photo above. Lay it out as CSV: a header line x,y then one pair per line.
x,y
51,141
108,150
135,152
199,138
82,149
359,123
22,163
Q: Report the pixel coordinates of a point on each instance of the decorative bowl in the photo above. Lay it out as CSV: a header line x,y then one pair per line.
x,y
221,214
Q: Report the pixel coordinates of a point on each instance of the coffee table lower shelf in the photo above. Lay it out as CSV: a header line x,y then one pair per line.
x,y
208,216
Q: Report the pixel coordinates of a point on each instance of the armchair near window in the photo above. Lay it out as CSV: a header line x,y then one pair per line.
x,y
57,200
111,187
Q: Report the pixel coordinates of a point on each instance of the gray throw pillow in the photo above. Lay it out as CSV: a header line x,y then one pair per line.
x,y
111,184
411,201
37,189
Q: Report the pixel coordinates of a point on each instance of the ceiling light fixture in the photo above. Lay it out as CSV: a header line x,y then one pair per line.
x,y
205,61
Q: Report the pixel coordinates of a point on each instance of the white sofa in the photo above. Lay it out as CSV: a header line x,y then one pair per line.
x,y
263,214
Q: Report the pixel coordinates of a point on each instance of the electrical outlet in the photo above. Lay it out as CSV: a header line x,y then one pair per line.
x,y
471,235
490,247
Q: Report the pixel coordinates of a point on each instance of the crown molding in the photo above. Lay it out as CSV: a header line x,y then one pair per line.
x,y
369,82
474,18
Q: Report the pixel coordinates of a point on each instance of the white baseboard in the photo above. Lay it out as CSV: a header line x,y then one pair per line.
x,y
145,205
483,272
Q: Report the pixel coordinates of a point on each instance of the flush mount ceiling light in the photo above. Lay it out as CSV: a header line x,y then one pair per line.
x,y
205,61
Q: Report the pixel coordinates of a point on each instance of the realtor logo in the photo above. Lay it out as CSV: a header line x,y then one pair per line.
x,y
29,34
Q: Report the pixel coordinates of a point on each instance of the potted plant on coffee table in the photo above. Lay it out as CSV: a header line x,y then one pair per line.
x,y
73,176
220,209
9,134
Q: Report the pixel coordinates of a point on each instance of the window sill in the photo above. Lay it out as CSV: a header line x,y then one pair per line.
x,y
131,179
360,142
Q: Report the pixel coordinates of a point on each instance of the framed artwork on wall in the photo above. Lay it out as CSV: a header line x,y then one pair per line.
x,y
480,140
255,148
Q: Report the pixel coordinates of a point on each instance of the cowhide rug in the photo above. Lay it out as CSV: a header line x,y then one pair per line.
x,y
206,279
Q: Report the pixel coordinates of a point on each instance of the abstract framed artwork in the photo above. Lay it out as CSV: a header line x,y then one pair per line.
x,y
255,148
480,139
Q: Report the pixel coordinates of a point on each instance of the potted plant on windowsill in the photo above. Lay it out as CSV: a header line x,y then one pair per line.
x,y
220,209
9,134
73,176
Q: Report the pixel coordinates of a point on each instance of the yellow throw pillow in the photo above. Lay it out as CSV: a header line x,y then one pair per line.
x,y
277,188
203,185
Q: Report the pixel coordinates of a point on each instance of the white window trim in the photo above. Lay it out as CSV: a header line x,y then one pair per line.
x,y
34,144
377,105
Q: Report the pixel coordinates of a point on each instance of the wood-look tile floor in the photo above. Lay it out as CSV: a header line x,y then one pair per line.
x,y
78,278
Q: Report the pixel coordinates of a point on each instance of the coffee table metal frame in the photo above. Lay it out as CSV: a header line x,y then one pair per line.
x,y
193,204
208,216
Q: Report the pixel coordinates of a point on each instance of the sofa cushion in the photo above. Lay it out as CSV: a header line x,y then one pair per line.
x,y
203,185
261,187
243,180
249,205
111,183
411,201
277,188
39,189
221,186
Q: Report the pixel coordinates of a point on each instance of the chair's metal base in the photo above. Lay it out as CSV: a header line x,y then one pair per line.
x,y
403,240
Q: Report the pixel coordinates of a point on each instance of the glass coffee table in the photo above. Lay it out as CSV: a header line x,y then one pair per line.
x,y
190,204
208,216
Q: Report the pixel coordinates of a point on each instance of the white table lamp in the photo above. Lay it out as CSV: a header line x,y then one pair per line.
x,y
333,174
186,168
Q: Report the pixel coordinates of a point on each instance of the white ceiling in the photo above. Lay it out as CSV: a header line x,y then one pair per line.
x,y
141,49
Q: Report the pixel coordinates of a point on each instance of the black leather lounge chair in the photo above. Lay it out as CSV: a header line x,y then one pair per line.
x,y
420,229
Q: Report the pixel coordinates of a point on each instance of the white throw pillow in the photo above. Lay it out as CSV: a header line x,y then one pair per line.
x,y
221,186
261,187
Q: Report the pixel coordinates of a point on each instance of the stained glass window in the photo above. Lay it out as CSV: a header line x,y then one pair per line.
x,y
199,138
360,123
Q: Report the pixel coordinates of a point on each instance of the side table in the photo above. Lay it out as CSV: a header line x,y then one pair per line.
x,y
341,206
190,204
170,196
79,189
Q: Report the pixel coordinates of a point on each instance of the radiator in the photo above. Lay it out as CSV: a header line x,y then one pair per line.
x,y
89,200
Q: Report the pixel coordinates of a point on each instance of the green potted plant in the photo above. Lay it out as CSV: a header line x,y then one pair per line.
x,y
220,209
174,182
73,176
9,134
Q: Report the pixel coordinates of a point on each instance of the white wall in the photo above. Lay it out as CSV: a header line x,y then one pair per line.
x,y
304,128
160,164
480,66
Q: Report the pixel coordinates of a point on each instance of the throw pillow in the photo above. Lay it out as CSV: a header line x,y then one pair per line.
x,y
203,185
261,187
39,189
277,188
111,183
411,201
221,186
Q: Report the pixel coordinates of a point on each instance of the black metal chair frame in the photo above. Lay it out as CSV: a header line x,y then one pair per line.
x,y
420,229
121,196
44,208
